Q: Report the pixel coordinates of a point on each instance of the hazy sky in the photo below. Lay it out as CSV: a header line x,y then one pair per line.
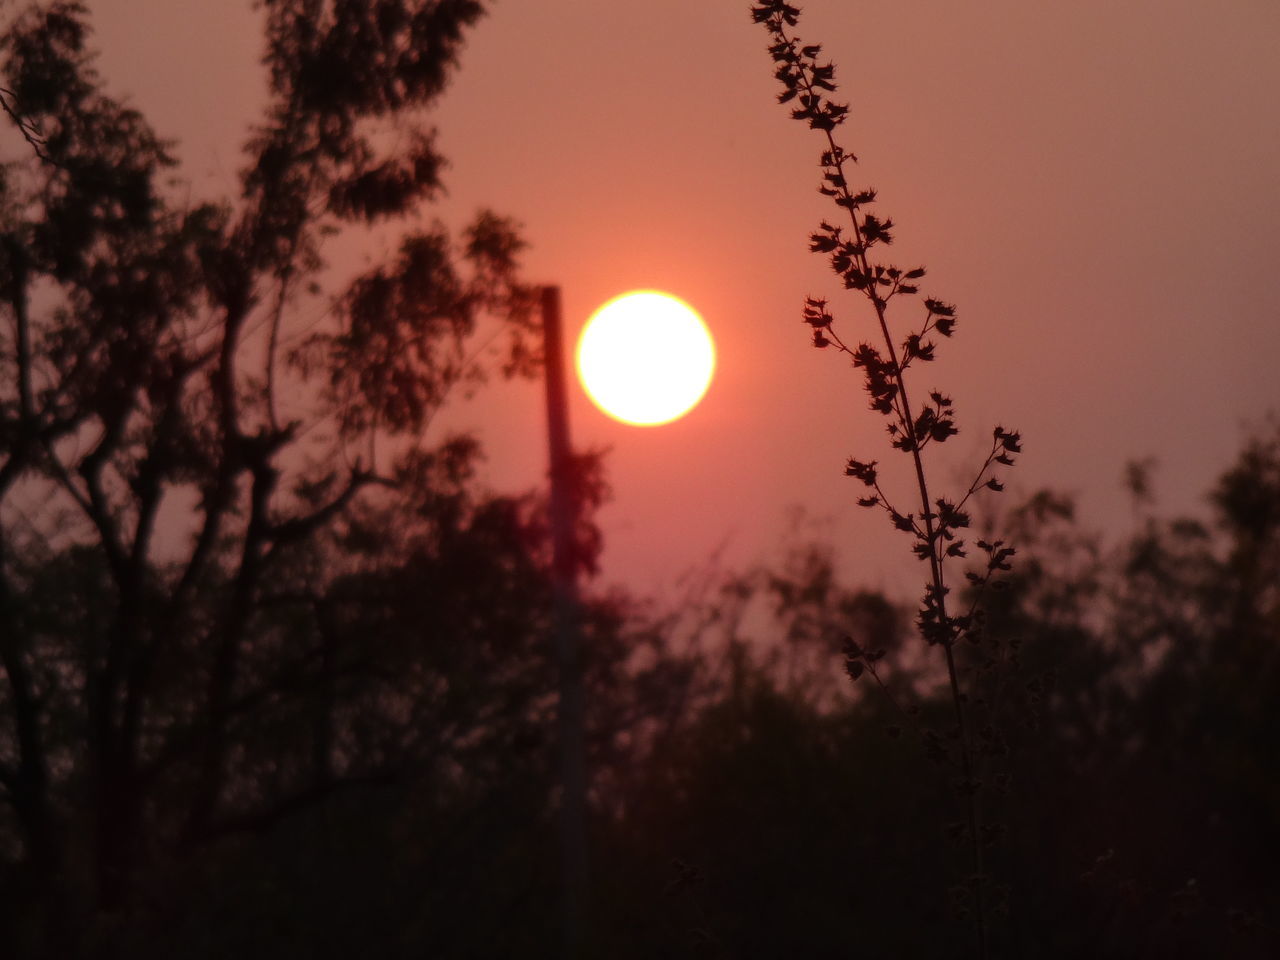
x,y
1096,185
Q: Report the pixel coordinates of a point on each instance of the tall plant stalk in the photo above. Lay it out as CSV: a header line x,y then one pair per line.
x,y
935,526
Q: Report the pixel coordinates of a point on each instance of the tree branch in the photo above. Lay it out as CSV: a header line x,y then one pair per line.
x,y
26,128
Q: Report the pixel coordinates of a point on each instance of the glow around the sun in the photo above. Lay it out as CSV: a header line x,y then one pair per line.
x,y
646,358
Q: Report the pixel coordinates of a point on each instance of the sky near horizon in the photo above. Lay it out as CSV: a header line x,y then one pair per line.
x,y
1095,185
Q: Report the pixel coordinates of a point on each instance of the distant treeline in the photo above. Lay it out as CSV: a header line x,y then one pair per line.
x,y
395,788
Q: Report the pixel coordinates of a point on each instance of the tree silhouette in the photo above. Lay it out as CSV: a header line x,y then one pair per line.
x,y
1138,794
206,456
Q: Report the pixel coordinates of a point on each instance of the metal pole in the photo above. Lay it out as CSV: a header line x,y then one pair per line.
x,y
573,776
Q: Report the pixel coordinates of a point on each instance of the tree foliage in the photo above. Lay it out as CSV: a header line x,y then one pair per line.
x,y
1137,793
235,574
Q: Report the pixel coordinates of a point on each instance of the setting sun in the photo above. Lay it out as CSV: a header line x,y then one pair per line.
x,y
645,358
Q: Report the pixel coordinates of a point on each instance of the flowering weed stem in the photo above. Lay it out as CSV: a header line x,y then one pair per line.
x,y
807,82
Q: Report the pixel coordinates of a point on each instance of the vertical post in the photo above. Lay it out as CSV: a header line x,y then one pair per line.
x,y
573,777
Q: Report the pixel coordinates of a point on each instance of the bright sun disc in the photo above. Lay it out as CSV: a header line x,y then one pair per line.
x,y
645,358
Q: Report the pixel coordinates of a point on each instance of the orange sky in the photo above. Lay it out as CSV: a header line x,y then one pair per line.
x,y
1095,185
